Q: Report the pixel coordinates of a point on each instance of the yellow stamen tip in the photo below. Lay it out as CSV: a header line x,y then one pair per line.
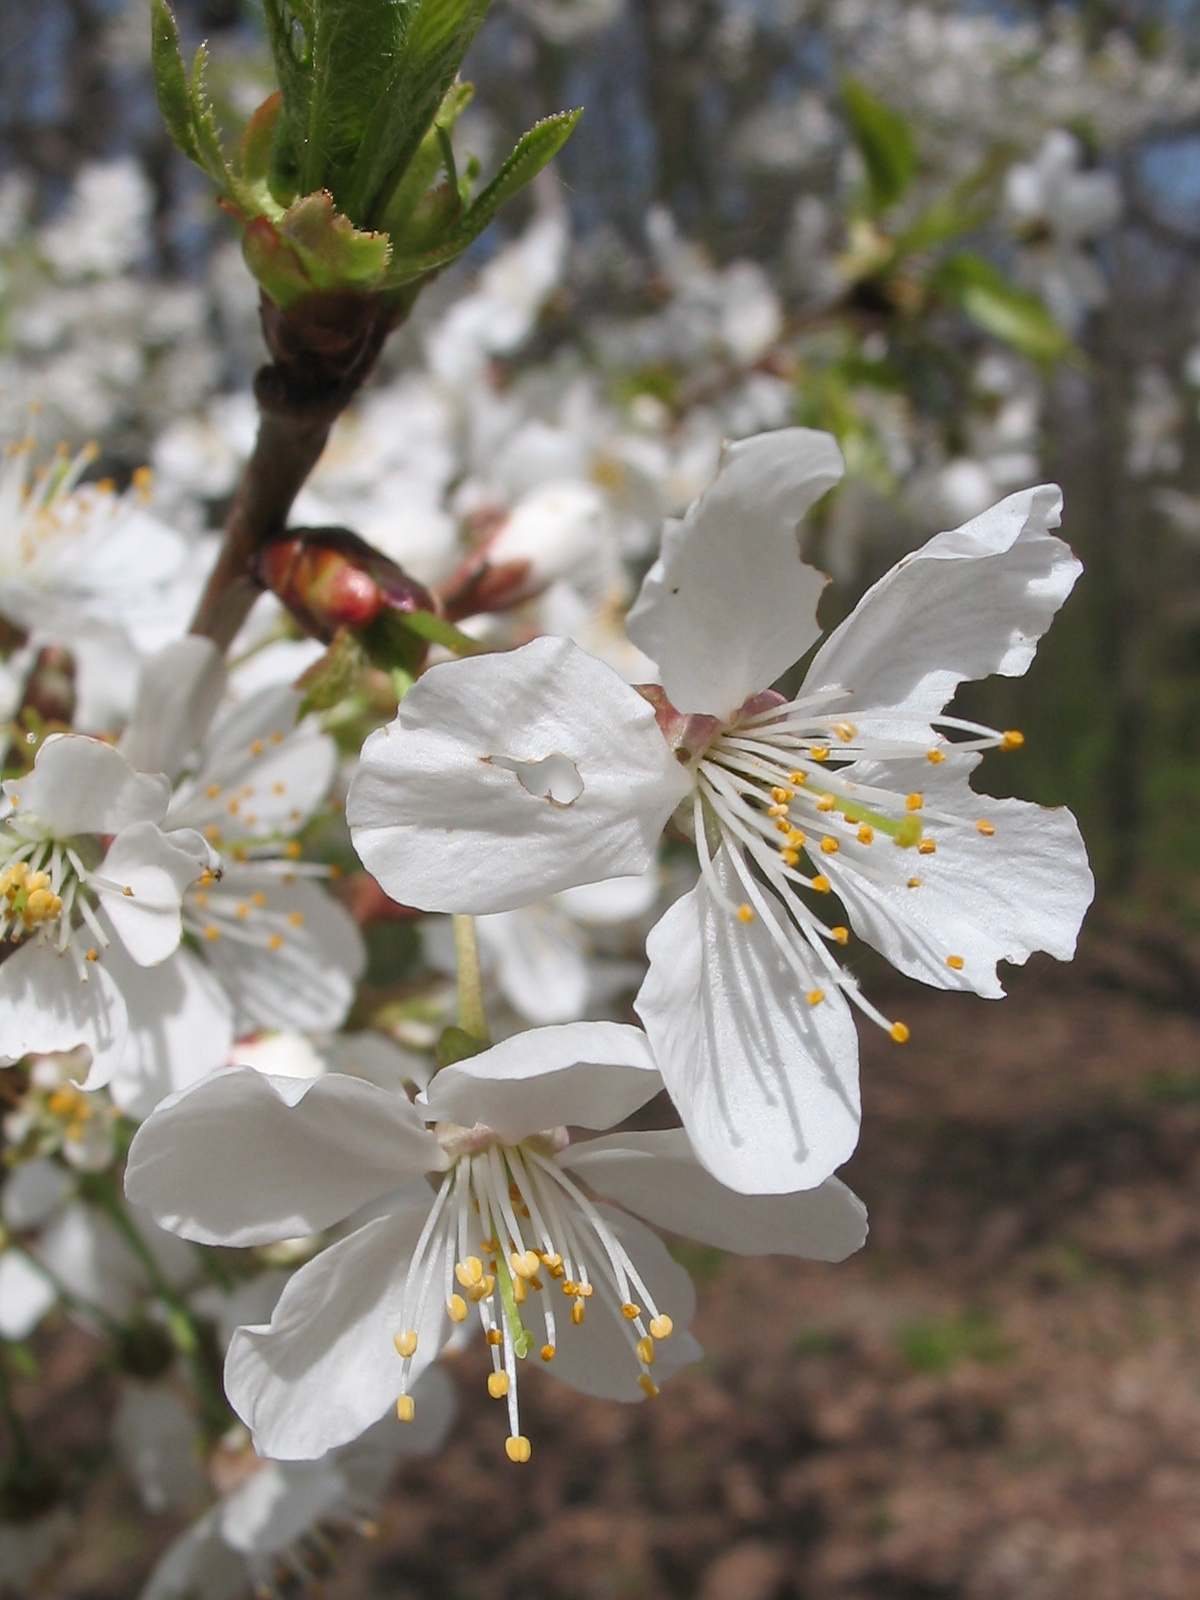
x,y
934,757
829,845
866,834
647,1385
629,1311
405,1409
469,1272
914,883
518,1448
292,850
456,1308
661,1327
987,829
815,996
745,913
497,1385
548,1352
406,1343
956,962
275,942
915,801
494,1337
577,1313
927,847
645,1351
840,935
899,1032
1012,740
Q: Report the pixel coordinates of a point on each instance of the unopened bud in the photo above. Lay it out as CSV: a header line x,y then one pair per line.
x,y
329,578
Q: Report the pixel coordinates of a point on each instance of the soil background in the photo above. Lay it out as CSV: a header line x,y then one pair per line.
x,y
997,1399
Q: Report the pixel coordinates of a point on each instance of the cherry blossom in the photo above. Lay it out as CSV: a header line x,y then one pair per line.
x,y
245,1158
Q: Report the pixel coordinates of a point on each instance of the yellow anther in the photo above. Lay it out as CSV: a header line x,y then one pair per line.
x,y
745,913
234,807
405,1409
779,810
406,1343
212,833
829,845
782,796
469,1272
782,825
822,884
795,840
207,877
585,1289
526,1263
553,1263
494,1337
127,892
258,898
278,788
798,778
899,1032
577,1313
520,1291
142,477
212,932
213,790
815,996
647,1385
927,847
819,752
987,829
548,1352
93,955
293,850
517,1447
257,748
866,834
456,1308
826,803
956,962
661,1326
483,1289
200,898
296,918
570,1287
645,1351
277,737
840,935
915,801
275,942
497,1385
64,1102
243,910
846,731
935,757
914,883
629,1311
1012,740
790,858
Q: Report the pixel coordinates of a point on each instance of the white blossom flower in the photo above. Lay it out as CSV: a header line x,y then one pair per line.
x,y
268,946
505,779
282,1524
243,1158
91,888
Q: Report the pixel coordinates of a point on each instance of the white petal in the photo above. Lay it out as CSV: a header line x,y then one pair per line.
x,y
657,1175
26,1294
158,1443
589,1074
178,692
539,960
180,1028
45,1005
969,603
508,777
729,605
766,1084
326,1367
81,785
307,983
33,1192
981,898
85,1252
242,1158
597,1357
614,899
151,870
199,1565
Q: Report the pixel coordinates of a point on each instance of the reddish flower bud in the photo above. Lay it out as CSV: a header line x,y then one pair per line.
x,y
329,578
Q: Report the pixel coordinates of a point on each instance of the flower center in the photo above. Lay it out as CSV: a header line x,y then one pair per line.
x,y
43,888
508,1233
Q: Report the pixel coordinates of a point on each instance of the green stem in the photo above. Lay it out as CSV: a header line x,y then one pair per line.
x,y
438,631
471,1016
22,1448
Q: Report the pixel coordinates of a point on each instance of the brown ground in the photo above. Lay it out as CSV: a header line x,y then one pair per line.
x,y
999,1399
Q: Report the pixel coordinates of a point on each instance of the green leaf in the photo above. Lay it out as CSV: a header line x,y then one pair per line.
x,y
204,125
335,675
424,167
884,141
360,49
1002,309
170,78
438,37
313,246
533,151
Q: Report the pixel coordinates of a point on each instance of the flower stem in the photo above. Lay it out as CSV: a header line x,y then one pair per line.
x,y
435,629
472,1018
